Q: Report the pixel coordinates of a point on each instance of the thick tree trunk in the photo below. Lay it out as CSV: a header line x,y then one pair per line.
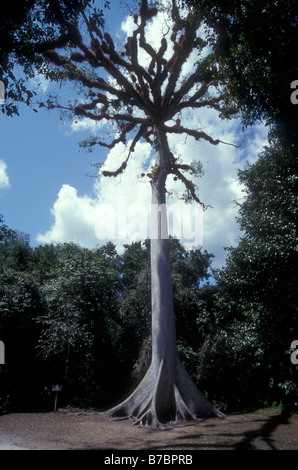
x,y
166,393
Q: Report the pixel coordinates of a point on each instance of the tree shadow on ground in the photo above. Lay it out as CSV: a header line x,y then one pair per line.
x,y
264,433
232,438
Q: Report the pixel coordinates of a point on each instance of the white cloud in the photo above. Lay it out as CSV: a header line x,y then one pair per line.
x,y
120,207
73,216
220,188
85,124
4,180
85,219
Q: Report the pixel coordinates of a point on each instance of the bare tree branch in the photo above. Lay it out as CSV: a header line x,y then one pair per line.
x,y
116,172
198,135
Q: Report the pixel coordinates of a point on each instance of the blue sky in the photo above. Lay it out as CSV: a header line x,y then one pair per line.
x,y
46,192
40,158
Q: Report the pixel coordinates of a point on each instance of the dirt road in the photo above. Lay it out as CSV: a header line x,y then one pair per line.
x,y
82,430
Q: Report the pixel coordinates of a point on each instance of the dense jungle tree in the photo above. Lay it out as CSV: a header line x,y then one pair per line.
x,y
258,285
20,305
146,99
80,326
58,320
64,309
254,43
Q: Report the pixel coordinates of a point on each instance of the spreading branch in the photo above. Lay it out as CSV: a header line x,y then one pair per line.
x,y
198,135
154,90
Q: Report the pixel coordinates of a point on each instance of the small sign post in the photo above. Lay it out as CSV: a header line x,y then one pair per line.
x,y
56,389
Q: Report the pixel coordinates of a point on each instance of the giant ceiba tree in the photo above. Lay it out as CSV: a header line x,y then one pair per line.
x,y
147,101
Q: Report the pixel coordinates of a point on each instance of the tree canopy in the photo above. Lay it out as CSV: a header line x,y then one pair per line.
x,y
141,89
28,26
254,43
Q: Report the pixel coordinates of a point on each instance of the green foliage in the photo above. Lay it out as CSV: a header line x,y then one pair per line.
x,y
254,43
257,302
244,361
20,305
82,318
23,24
80,328
59,322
